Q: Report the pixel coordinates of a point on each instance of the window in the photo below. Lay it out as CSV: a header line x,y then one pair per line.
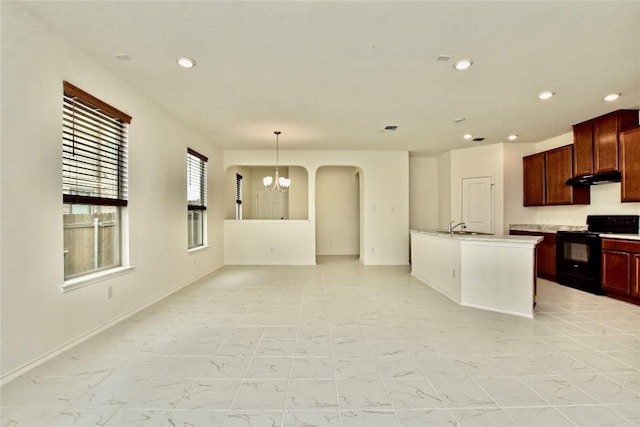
x,y
238,196
196,197
94,182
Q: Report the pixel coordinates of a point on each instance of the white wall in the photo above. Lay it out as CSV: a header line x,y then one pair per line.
x,y
37,318
486,160
337,211
385,197
423,193
444,190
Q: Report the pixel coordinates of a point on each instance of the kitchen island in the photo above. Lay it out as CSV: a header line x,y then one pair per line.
x,y
489,272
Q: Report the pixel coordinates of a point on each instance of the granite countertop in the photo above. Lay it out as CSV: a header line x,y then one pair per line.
x,y
621,236
549,228
546,228
495,238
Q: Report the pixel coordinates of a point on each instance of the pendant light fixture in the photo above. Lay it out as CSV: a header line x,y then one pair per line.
x,y
277,182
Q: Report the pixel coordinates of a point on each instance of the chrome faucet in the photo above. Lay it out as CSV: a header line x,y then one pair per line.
x,y
451,227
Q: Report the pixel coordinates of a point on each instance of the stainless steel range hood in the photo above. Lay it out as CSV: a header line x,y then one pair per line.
x,y
596,179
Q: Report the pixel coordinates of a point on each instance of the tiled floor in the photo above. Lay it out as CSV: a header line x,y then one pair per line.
x,y
345,345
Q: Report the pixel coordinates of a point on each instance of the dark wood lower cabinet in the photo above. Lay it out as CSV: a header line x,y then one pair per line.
x,y
545,253
621,269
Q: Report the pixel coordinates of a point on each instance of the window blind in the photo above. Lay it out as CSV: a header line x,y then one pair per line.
x,y
196,180
238,189
94,153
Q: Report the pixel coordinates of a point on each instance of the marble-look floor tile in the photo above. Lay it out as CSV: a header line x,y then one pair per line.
x,y
137,393
138,418
604,390
538,417
363,394
249,418
341,344
558,391
48,392
481,417
594,416
311,419
510,392
312,368
462,392
277,368
261,395
210,395
312,395
369,418
226,367
196,418
412,394
151,366
426,418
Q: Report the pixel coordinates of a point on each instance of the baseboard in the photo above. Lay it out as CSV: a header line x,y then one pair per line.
x,y
13,374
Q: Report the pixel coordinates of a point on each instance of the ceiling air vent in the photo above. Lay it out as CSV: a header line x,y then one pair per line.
x,y
478,139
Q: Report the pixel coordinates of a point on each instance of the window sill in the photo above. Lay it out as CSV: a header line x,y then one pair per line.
x,y
90,279
197,249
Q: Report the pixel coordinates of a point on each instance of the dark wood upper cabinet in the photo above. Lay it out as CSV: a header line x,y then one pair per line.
x,y
596,142
545,175
533,176
605,135
630,165
583,148
559,168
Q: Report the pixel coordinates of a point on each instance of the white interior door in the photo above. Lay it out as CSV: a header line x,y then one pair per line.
x,y
477,204
270,204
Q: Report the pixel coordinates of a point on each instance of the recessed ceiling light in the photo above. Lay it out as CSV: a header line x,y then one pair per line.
x,y
390,128
512,137
459,120
546,95
122,56
185,62
478,139
443,58
612,97
468,136
463,64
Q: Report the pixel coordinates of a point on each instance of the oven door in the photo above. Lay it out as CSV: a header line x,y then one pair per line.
x,y
578,261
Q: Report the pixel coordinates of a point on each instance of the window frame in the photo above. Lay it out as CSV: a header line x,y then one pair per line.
x,y
196,169
95,172
239,190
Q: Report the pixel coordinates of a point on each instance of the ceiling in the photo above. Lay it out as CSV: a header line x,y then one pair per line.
x,y
332,75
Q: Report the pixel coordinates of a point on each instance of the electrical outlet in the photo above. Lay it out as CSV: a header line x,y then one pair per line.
x,y
109,291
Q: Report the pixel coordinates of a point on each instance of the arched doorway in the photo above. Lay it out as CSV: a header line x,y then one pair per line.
x,y
338,211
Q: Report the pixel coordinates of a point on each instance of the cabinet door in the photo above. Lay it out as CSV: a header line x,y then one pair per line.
x,y
616,271
630,165
605,137
558,170
533,178
583,148
635,278
546,260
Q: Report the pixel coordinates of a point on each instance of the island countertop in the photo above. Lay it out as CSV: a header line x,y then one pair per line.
x,y
482,237
489,272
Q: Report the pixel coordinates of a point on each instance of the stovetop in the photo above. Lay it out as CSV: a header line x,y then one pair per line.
x,y
608,224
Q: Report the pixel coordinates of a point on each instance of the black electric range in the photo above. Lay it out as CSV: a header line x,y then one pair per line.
x,y
579,253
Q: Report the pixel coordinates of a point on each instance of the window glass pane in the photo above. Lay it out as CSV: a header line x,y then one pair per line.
x,y
195,223
91,238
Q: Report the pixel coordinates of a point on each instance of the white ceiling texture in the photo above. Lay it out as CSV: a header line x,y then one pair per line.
x,y
332,74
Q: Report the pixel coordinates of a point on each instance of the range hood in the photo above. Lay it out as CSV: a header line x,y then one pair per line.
x,y
595,179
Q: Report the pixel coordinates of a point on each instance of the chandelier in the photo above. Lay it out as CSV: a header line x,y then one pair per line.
x,y
276,182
